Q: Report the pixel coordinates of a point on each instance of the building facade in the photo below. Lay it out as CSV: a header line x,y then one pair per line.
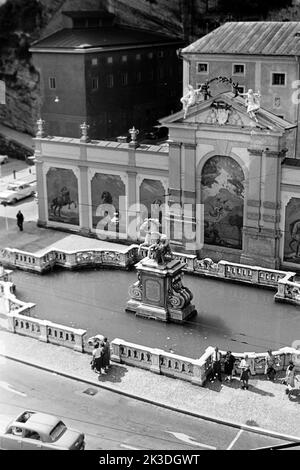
x,y
222,187
106,75
263,56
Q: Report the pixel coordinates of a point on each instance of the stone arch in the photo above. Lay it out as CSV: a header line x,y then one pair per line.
x,y
222,192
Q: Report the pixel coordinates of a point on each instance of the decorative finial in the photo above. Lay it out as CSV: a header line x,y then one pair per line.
x,y
84,129
133,134
40,128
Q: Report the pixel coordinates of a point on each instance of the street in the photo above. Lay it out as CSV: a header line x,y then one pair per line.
x,y
14,171
111,421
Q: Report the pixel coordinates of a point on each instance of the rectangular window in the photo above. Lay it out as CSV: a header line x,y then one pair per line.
x,y
241,89
160,73
110,81
124,78
202,67
110,60
161,54
238,69
138,56
94,61
95,83
278,78
52,83
150,55
124,58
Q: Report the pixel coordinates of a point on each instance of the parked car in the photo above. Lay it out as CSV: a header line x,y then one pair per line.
x,y
3,159
15,192
40,431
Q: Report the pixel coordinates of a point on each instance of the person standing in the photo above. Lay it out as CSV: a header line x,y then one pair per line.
x,y
270,366
106,354
245,372
289,379
20,220
216,365
98,357
228,365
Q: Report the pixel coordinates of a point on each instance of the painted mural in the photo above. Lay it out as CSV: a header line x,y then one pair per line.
x,y
222,193
108,203
62,196
292,231
152,199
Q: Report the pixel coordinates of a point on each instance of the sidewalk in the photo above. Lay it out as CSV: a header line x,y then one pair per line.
x,y
263,406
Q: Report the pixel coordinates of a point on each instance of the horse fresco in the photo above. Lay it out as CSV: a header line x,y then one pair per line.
x,y
60,201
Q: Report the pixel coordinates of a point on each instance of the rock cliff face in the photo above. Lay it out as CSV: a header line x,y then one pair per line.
x,y
23,21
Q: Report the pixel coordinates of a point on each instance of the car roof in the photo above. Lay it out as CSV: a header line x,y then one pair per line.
x,y
39,422
17,183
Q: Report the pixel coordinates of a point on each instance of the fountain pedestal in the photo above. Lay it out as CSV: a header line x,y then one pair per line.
x,y
159,294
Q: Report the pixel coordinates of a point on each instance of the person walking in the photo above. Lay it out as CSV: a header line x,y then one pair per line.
x,y
20,220
98,357
270,366
228,365
245,372
106,354
216,365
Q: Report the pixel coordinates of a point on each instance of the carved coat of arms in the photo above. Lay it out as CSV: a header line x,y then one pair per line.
x,y
222,111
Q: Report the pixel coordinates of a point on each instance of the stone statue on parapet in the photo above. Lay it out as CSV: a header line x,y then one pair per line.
x,y
161,251
151,227
189,98
252,101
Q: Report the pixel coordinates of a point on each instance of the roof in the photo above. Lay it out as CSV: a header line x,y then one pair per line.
x,y
104,37
255,38
39,422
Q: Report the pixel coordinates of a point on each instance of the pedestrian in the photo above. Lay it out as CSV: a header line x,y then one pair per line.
x,y
106,354
98,358
270,366
20,220
216,365
289,379
228,365
245,372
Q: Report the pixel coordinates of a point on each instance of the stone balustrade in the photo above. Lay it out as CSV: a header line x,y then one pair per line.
x,y
68,259
46,331
288,291
10,303
195,371
161,362
5,274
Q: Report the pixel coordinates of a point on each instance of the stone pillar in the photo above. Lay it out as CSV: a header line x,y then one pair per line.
x,y
79,340
41,187
188,178
84,202
174,212
132,207
261,232
155,365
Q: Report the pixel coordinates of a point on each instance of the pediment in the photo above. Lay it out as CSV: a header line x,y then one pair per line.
x,y
228,110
